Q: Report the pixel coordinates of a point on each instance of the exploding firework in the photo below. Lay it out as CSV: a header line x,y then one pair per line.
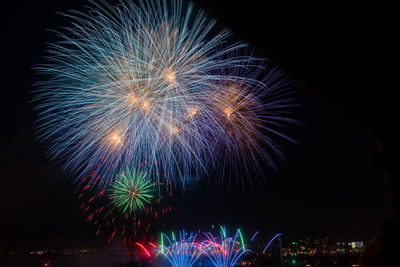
x,y
125,86
224,251
155,83
132,190
250,113
181,252
113,222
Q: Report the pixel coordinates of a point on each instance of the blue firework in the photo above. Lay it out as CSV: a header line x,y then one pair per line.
x,y
154,83
224,251
181,252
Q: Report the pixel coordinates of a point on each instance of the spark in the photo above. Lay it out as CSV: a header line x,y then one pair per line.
x,y
144,249
146,105
241,239
228,111
170,77
192,111
115,139
132,100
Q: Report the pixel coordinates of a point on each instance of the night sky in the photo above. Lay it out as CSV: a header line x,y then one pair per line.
x,y
327,186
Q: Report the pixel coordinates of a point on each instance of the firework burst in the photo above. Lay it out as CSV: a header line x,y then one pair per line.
x,y
155,83
131,190
250,114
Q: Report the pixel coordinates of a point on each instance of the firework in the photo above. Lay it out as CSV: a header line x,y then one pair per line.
x,y
182,252
131,190
254,235
156,83
250,111
146,252
128,85
272,240
224,251
112,222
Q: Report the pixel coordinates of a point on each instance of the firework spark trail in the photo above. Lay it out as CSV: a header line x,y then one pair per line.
x,y
152,82
183,252
270,242
224,251
144,249
254,235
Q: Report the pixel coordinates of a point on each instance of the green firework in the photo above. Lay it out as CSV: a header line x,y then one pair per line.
x,y
131,190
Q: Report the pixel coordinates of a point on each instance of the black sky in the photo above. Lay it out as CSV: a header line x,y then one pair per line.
x,y
328,185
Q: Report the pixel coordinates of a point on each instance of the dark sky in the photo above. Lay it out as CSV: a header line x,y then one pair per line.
x,y
328,185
